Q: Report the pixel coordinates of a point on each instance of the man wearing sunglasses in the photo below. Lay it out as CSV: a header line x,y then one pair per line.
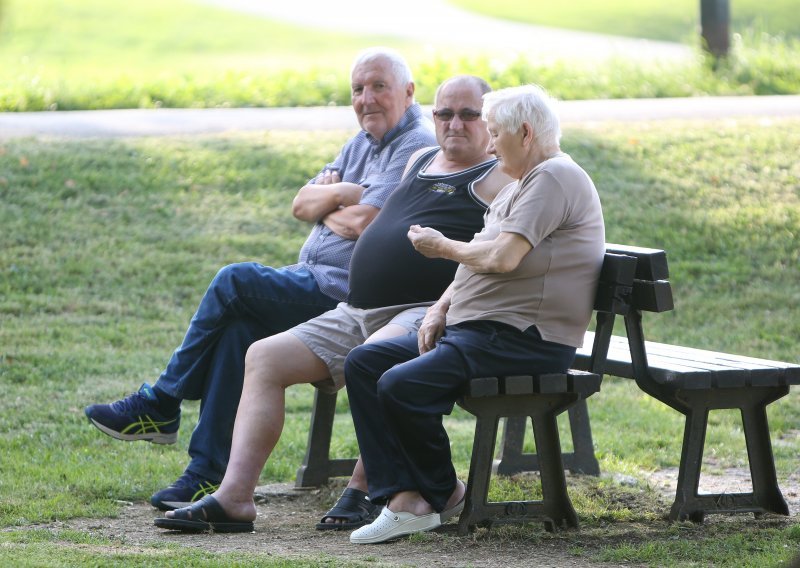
x,y
465,115
391,285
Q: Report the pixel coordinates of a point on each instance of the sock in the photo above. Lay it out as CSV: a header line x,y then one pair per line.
x,y
167,404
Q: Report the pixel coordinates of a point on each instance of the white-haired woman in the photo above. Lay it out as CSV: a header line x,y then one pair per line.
x,y
520,303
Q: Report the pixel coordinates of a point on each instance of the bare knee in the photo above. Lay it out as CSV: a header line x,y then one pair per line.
x,y
283,360
260,357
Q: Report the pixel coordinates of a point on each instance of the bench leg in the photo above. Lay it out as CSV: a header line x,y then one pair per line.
x,y
766,496
582,458
511,460
694,436
317,465
555,501
475,502
555,508
762,461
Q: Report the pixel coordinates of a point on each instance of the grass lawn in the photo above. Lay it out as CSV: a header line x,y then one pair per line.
x,y
99,55
654,19
108,245
88,54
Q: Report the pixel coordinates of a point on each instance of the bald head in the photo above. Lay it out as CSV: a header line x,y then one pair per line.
x,y
460,130
463,82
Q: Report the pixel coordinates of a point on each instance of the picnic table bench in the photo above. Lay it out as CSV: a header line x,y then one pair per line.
x,y
691,381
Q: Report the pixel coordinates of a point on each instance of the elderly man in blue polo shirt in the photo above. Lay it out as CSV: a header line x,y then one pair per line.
x,y
246,302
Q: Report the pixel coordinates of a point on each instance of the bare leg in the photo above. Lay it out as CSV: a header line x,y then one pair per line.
x,y
271,365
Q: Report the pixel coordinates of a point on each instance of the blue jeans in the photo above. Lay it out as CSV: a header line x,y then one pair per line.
x,y
244,303
398,397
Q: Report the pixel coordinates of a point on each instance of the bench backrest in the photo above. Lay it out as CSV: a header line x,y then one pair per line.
x,y
651,288
650,291
632,279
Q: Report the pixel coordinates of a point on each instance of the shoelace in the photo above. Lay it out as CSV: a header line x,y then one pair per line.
x,y
135,403
189,480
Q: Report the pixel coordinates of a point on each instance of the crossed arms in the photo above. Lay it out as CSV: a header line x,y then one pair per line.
x,y
335,204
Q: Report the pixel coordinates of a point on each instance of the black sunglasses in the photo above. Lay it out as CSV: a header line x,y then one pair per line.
x,y
466,115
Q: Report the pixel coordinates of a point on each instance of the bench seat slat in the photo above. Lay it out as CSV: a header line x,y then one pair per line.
x,y
691,368
573,381
692,353
550,383
716,356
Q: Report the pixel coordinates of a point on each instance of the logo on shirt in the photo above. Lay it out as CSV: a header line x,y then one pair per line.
x,y
440,187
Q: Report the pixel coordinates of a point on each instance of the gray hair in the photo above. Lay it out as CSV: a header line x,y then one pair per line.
x,y
400,69
528,103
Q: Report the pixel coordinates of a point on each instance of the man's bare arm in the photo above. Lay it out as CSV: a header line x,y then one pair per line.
x,y
316,200
351,221
502,254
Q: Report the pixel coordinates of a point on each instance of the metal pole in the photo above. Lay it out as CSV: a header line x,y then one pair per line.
x,y
715,19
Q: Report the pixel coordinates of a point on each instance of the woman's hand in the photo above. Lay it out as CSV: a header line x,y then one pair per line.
x,y
432,328
427,241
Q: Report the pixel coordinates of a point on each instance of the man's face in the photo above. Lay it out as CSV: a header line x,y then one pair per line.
x,y
508,149
460,131
378,98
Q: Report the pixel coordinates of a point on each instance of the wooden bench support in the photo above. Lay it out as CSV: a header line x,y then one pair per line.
x,y
541,398
694,382
765,496
317,465
581,460
613,298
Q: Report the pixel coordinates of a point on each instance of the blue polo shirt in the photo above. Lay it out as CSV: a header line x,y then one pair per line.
x,y
378,166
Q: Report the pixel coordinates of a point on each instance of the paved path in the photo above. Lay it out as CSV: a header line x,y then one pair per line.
x,y
137,122
436,24
431,23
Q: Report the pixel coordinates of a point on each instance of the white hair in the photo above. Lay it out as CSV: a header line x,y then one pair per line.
x,y
512,106
400,69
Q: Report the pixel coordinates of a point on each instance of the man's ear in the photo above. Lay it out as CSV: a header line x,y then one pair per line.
x,y
410,87
527,133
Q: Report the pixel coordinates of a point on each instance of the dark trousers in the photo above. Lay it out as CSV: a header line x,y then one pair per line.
x,y
398,398
245,302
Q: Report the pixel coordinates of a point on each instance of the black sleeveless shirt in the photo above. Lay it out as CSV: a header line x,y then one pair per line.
x,y
385,269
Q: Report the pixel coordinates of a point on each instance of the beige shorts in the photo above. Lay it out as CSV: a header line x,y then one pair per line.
x,y
332,335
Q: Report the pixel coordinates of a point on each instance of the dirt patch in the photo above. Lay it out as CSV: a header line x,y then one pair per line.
x,y
732,480
285,528
286,519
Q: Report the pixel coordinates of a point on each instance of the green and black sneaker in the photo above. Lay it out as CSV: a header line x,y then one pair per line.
x,y
188,488
136,417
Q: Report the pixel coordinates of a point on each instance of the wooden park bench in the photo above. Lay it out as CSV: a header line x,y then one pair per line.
x,y
691,381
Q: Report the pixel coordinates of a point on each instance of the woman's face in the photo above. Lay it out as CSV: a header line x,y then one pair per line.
x,y
508,149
